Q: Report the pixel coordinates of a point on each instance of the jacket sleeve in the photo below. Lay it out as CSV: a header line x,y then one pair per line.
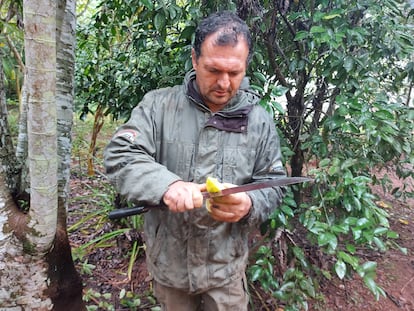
x,y
268,165
130,157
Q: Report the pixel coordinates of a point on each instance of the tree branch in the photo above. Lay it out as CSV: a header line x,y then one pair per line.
x,y
15,53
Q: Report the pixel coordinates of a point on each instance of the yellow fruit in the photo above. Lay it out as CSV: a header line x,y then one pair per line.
x,y
208,206
213,185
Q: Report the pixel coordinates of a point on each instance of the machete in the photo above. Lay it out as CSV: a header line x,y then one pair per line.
x,y
279,182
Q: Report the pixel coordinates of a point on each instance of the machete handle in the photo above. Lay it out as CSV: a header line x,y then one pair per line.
x,y
125,212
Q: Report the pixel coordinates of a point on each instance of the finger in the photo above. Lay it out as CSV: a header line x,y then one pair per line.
x,y
197,198
202,187
188,203
220,215
172,206
176,204
217,213
231,201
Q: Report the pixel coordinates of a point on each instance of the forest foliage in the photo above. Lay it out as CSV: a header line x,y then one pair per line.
x,y
336,75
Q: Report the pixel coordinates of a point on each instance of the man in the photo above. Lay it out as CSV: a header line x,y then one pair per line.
x,y
176,137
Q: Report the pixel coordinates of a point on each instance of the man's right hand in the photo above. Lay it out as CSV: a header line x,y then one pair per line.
x,y
183,196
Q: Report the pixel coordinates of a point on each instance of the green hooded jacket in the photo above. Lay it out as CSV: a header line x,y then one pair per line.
x,y
172,136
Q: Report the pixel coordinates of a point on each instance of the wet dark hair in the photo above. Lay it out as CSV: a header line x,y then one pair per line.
x,y
229,28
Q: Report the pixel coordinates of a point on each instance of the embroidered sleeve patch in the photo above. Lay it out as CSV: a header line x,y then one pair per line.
x,y
127,134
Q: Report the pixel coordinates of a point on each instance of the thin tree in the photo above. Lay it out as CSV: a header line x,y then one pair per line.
x,y
36,268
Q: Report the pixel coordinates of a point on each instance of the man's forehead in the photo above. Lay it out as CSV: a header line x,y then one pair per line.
x,y
226,63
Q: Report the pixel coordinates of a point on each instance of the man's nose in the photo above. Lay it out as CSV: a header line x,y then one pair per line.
x,y
224,81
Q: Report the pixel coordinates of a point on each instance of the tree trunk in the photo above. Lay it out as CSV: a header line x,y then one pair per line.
x,y
23,272
40,50
296,113
65,283
20,267
36,265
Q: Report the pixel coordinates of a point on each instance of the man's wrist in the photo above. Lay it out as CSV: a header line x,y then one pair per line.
x,y
247,216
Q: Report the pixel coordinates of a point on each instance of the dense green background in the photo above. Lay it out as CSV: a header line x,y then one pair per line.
x,y
337,77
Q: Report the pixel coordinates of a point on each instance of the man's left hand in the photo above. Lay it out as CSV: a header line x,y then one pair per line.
x,y
230,208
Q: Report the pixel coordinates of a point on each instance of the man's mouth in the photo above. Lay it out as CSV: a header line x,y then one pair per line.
x,y
220,92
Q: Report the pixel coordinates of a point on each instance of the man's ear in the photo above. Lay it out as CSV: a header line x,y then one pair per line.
x,y
194,58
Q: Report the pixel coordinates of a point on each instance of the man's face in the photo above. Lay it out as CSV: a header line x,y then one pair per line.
x,y
220,71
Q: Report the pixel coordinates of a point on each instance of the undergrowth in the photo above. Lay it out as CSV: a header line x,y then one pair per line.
x,y
299,246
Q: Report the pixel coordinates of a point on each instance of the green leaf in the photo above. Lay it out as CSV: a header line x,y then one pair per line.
x,y
105,44
147,4
172,11
331,195
287,210
348,163
299,253
324,162
356,203
343,228
392,234
187,33
288,200
330,16
308,287
260,76
300,35
287,286
352,221
256,272
357,233
370,283
328,238
373,287
333,170
327,274
122,293
340,269
403,250
379,243
159,20
384,114
349,259
348,63
317,29
351,248
380,231
369,266
282,218
363,222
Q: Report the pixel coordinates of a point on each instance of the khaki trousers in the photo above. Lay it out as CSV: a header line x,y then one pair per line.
x,y
232,297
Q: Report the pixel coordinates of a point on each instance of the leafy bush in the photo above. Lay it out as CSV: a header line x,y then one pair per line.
x,y
336,75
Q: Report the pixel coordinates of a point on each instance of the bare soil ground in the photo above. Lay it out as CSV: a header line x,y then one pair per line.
x,y
109,273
